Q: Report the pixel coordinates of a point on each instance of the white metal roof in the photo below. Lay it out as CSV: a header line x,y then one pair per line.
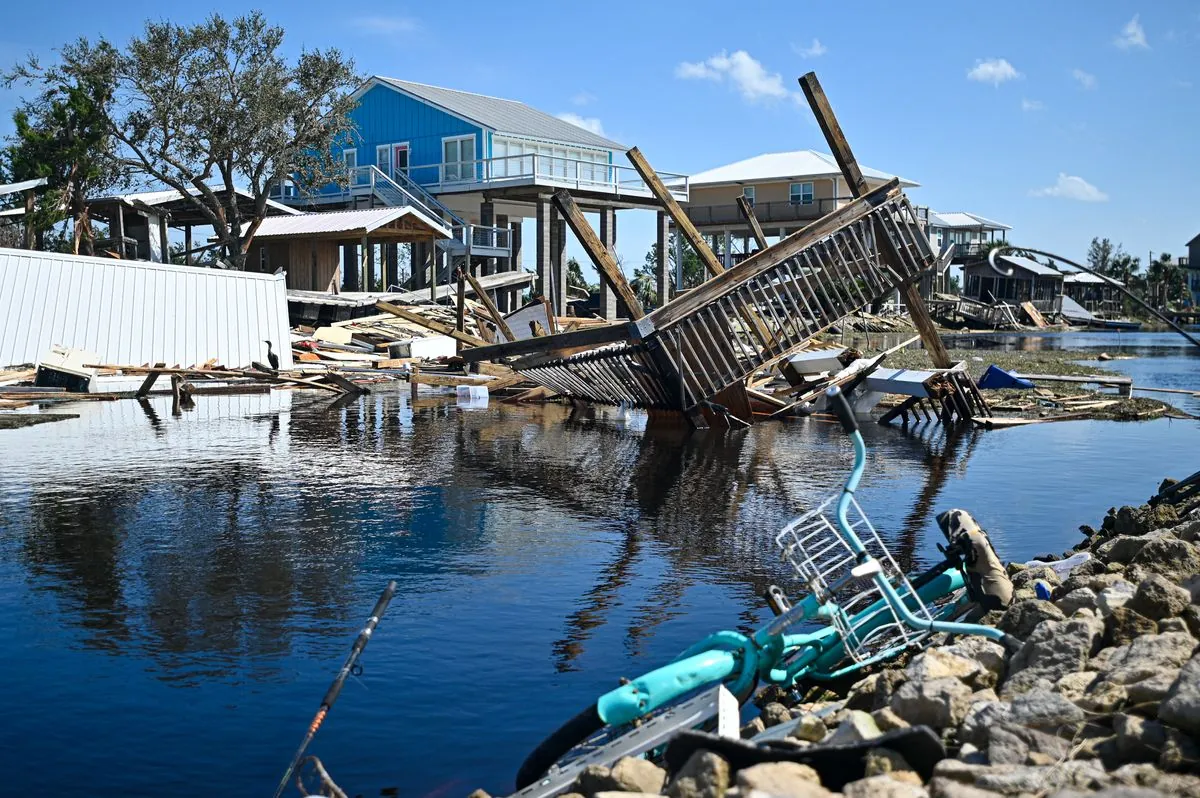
x,y
502,116
153,198
13,188
782,166
1030,265
1084,277
361,221
962,219
133,312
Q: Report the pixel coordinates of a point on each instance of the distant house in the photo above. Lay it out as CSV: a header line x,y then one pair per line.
x,y
1191,264
1029,281
788,190
483,164
969,233
1093,293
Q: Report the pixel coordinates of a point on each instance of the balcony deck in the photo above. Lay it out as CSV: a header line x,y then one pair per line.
x,y
767,213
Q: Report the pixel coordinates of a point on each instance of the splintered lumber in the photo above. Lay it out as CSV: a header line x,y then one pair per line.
x,y
461,320
683,224
748,214
492,310
9,377
600,255
148,383
343,383
1034,314
858,187
430,324
577,340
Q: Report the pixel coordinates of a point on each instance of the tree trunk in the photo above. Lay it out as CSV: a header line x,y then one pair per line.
x,y
30,201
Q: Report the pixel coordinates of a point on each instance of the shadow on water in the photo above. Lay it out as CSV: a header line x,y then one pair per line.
x,y
197,577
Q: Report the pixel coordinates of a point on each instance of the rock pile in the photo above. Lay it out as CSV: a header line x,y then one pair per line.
x,y
1103,697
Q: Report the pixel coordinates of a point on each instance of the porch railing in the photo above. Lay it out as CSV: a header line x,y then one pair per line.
x,y
560,171
767,213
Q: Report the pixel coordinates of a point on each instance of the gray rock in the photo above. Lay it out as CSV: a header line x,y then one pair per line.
x,y
783,779
986,652
1181,709
1149,655
1112,792
810,728
1157,598
1055,649
1074,685
1027,577
937,663
1096,582
979,719
1121,548
888,721
1174,625
1023,617
775,713
1152,690
753,728
875,691
1046,711
883,787
937,703
1019,779
1137,739
704,775
633,774
1191,617
1152,777
1103,698
1083,598
1012,744
1173,558
1124,625
1180,751
856,727
1113,596
593,779
884,761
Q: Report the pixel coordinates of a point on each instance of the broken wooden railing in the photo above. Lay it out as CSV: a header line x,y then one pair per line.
x,y
683,354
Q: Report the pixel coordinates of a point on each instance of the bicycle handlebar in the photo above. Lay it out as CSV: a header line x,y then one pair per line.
x,y
836,401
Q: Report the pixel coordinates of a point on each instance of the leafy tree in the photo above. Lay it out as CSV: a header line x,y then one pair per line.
x,y
575,278
213,106
61,135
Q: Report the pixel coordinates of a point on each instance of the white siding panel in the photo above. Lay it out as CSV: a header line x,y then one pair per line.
x,y
132,312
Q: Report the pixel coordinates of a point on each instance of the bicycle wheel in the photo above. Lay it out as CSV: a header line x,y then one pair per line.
x,y
558,744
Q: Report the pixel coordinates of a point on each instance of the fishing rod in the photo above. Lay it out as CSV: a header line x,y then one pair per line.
x,y
991,259
331,695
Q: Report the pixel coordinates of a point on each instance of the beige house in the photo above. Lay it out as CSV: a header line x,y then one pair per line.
x,y
788,190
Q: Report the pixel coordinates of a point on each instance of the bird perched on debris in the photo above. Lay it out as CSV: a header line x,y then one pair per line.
x,y
272,358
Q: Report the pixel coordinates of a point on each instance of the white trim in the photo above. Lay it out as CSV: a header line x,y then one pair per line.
x,y
470,162
752,196
353,150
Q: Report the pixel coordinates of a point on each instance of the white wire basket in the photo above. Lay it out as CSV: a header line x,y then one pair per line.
x,y
823,559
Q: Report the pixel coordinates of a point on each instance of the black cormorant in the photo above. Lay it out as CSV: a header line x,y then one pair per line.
x,y
272,358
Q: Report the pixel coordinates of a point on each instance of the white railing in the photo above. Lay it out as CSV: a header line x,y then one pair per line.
x,y
482,237
568,172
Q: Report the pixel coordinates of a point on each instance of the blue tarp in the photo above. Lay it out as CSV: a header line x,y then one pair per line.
x,y
996,377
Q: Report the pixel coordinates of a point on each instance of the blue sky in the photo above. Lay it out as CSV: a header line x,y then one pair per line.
x,y
1066,120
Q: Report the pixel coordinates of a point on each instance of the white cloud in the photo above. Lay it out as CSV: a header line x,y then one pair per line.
x,y
814,50
583,98
740,69
1071,187
1032,105
994,71
586,122
385,25
1086,79
1132,36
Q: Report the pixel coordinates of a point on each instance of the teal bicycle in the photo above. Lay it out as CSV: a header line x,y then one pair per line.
x,y
886,615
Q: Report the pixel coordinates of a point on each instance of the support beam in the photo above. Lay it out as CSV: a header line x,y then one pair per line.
x,y
187,245
164,243
482,296
858,187
429,324
755,228
662,276
368,259
461,319
120,228
559,260
682,223
604,260
509,297
545,277
608,239
351,254
487,219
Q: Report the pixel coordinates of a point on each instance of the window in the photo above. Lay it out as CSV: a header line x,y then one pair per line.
x,y
350,157
748,193
399,159
383,158
457,156
801,193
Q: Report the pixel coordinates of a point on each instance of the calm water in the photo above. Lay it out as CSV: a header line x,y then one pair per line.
x,y
177,592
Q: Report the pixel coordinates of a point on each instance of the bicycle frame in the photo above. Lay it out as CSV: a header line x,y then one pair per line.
x,y
774,656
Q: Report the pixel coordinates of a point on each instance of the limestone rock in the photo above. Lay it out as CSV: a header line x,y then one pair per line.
x,y
1020,779
633,774
1153,689
887,720
1152,777
1158,598
883,787
1124,625
1121,548
1103,698
1074,685
782,779
704,775
1083,598
1023,617
979,719
1046,711
593,779
1137,739
1181,709
883,761
1180,751
1113,596
937,663
1013,744
480,794
1149,655
1096,582
856,727
1191,617
1055,649
1042,573
753,728
1173,558
875,691
775,713
810,728
937,703
987,653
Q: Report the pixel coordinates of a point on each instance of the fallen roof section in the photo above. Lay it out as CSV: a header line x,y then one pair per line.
x,y
179,208
799,164
353,224
959,220
24,185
